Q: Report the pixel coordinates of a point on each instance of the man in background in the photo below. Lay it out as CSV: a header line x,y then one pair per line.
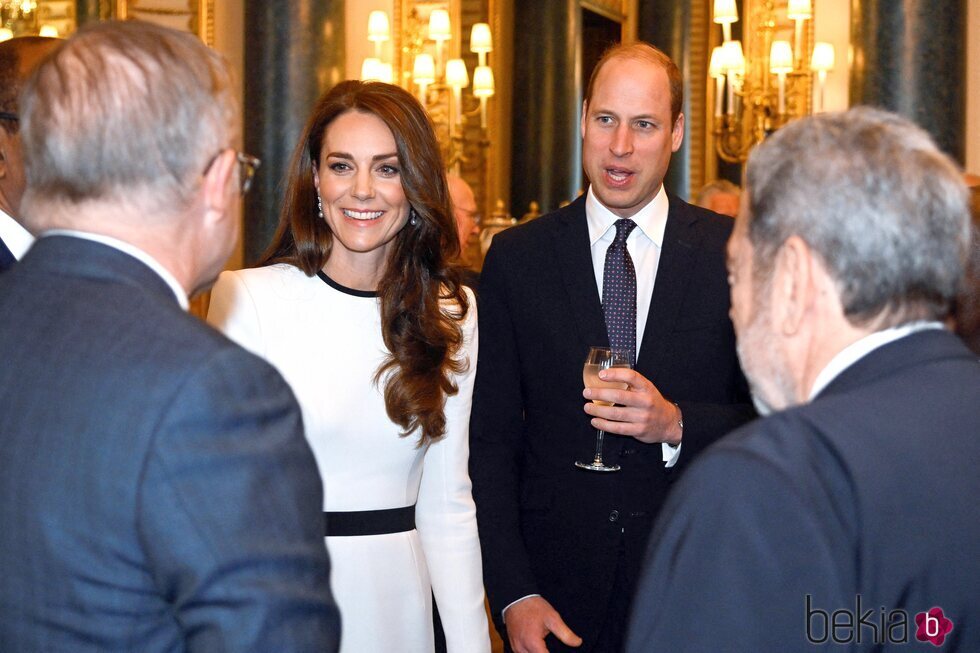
x,y
156,489
966,316
626,265
18,57
720,196
850,516
467,224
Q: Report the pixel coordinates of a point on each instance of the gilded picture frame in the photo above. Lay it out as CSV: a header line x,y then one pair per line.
x,y
194,16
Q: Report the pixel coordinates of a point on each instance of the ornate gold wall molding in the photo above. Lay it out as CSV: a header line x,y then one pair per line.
x,y
701,166
195,16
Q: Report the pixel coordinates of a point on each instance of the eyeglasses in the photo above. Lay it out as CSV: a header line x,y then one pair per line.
x,y
247,165
475,216
6,115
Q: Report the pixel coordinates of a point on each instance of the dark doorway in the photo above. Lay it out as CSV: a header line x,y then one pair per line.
x,y
598,34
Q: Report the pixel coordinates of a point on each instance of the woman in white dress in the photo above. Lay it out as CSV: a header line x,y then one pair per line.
x,y
358,307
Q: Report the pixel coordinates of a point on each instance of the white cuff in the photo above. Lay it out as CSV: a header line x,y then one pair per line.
x,y
671,454
503,613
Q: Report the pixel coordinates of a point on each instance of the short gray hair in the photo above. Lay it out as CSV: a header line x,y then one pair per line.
x,y
126,112
714,187
871,193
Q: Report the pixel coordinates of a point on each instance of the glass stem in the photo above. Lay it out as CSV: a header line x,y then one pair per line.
x,y
598,447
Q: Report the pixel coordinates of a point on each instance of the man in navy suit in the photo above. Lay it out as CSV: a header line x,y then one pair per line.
x,y
156,489
562,545
18,57
850,516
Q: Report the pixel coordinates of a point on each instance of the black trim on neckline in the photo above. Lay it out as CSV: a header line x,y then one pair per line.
x,y
344,289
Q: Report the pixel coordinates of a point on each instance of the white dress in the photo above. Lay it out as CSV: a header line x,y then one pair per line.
x,y
326,341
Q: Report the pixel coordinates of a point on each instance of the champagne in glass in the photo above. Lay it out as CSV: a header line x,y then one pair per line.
x,y
602,358
590,376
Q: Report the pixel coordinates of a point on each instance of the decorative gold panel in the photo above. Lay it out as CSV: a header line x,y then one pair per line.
x,y
195,16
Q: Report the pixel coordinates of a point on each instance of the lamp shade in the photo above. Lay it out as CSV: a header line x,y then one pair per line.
x,y
378,28
6,34
456,75
49,31
823,57
725,11
717,66
439,29
732,58
424,69
483,82
480,38
799,10
371,69
781,57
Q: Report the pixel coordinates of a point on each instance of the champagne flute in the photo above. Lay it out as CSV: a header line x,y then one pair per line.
x,y
602,358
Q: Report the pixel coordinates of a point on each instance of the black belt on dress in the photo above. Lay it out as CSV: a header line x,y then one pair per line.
x,y
369,522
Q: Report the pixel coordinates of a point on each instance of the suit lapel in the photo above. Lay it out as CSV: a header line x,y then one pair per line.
x,y
680,246
575,264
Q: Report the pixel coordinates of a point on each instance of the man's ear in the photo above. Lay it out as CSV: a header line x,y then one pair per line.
x,y
677,133
218,188
585,115
794,289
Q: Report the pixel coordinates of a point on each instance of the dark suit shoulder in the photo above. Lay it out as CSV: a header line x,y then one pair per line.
x,y
713,227
523,237
787,446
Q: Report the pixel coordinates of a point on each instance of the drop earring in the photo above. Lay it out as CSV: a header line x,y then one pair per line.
x,y
413,217
319,206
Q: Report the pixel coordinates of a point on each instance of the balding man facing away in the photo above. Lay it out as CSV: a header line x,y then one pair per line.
x,y
18,57
156,489
849,517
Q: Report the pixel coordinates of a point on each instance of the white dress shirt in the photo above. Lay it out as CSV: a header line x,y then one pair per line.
x,y
135,252
644,244
17,239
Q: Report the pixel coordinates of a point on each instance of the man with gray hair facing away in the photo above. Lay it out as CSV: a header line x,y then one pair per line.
x,y
849,517
156,489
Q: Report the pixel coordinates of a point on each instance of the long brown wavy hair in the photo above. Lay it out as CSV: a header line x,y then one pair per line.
x,y
422,334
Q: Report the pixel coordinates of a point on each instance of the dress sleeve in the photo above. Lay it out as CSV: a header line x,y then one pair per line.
x,y
232,311
446,516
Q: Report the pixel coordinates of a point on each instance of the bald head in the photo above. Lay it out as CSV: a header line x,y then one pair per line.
x,y
464,209
18,58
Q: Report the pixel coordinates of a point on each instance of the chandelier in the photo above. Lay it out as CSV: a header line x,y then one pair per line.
x,y
21,18
769,82
429,66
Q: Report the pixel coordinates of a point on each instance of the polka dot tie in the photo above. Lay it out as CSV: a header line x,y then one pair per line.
x,y
619,292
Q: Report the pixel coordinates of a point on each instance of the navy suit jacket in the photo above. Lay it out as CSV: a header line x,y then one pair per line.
x,y
6,257
869,491
156,489
547,527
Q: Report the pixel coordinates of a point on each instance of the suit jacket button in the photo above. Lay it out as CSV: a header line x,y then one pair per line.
x,y
614,515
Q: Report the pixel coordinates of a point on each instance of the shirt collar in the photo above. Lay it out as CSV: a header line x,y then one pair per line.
x,y
861,348
17,239
133,251
651,220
